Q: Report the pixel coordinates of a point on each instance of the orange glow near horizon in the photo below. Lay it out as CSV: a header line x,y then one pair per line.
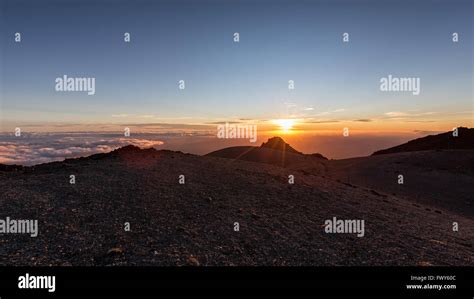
x,y
285,124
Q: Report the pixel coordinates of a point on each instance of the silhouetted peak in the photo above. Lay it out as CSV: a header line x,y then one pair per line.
x,y
277,143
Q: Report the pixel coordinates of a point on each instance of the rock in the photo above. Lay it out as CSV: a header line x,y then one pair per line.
x,y
193,261
424,264
115,250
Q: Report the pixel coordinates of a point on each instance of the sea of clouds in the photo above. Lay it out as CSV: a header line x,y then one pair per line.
x,y
37,148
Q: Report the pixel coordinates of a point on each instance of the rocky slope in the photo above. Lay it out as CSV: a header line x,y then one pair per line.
x,y
193,223
443,141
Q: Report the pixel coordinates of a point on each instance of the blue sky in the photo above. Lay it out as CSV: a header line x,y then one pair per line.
x,y
192,41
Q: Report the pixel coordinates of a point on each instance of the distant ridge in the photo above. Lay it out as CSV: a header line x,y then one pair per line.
x,y
464,140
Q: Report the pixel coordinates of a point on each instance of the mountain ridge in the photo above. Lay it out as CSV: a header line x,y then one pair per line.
x,y
442,141
277,152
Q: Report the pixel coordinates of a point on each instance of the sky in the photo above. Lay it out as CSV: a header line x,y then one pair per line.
x,y
336,84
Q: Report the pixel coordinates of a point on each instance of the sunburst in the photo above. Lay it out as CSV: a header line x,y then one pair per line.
x,y
285,124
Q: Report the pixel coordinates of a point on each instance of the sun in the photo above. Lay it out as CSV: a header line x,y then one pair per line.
x,y
285,124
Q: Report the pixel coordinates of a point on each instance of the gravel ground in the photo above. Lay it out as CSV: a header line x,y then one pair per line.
x,y
174,224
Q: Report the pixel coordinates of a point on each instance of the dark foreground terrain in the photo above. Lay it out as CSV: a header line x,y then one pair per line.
x,y
193,223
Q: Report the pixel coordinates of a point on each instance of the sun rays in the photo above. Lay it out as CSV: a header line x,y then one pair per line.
x,y
285,125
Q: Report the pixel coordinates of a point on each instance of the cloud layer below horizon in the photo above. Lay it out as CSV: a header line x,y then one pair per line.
x,y
34,149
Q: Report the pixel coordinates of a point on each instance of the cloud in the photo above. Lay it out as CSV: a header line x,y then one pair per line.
x,y
39,148
426,132
363,120
322,121
223,122
124,115
419,121
331,112
395,114
399,114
